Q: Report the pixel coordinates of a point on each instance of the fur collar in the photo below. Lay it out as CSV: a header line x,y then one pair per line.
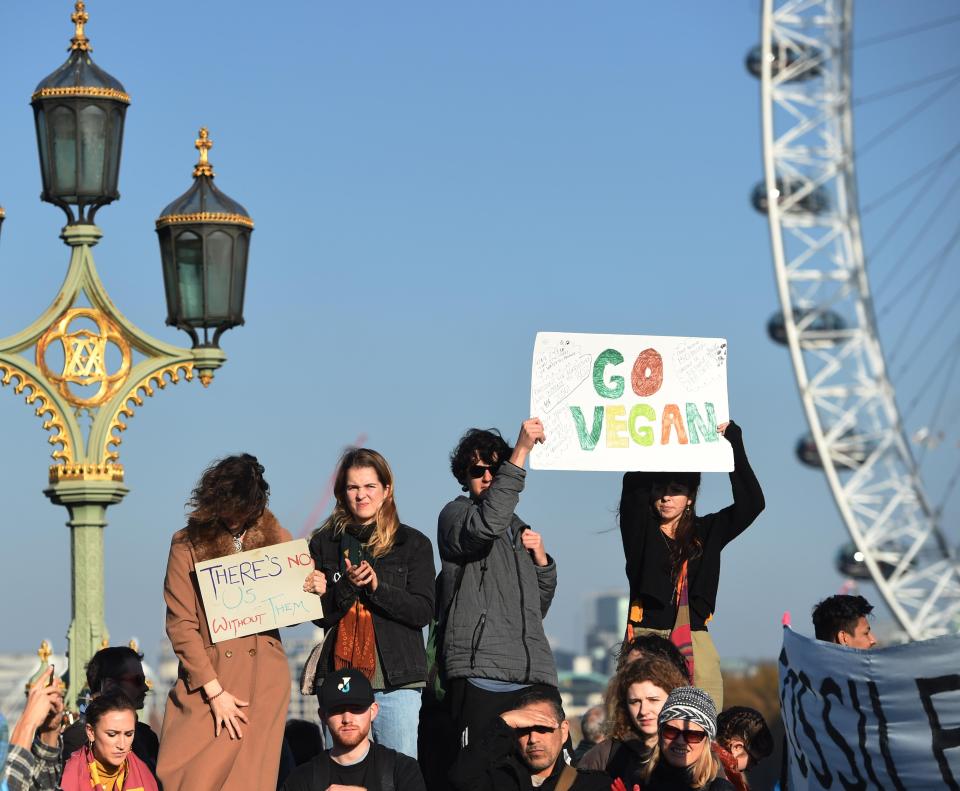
x,y
265,532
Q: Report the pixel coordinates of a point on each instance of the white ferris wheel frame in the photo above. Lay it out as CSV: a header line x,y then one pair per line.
x,y
841,374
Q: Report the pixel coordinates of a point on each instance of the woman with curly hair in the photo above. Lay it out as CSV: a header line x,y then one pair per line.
x,y
673,556
223,724
634,700
376,577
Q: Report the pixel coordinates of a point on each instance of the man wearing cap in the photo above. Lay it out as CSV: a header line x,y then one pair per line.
x,y
522,749
355,763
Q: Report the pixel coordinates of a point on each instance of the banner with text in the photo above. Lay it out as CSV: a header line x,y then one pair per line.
x,y
630,402
257,590
887,718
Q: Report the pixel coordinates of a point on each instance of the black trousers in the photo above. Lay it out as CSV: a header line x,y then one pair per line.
x,y
473,709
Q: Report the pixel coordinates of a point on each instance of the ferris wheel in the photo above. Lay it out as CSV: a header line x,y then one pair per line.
x,y
828,318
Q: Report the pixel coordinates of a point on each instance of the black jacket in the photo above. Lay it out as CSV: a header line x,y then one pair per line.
x,y
490,764
647,554
669,778
402,604
392,771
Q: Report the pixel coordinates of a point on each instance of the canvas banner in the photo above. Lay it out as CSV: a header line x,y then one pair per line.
x,y
887,718
630,402
257,590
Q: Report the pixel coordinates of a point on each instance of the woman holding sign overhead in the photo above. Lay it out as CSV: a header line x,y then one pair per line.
x,y
673,556
376,577
224,719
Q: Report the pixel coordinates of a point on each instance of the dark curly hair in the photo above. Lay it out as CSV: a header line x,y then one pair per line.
x,y
478,443
114,700
108,663
653,645
231,493
839,613
746,725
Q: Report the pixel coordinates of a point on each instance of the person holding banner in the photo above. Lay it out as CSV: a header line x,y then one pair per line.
x,y
215,734
673,556
377,594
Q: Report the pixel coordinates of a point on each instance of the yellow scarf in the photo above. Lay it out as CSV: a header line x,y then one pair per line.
x,y
100,778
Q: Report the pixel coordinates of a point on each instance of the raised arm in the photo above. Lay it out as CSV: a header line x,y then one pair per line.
x,y
467,527
340,594
748,501
635,514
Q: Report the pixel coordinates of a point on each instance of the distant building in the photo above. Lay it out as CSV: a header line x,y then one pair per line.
x,y
604,637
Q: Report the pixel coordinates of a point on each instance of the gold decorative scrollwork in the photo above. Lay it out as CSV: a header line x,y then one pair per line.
x,y
205,216
45,407
84,356
82,92
86,472
133,399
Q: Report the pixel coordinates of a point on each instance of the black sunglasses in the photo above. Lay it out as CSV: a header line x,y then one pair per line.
x,y
669,732
479,470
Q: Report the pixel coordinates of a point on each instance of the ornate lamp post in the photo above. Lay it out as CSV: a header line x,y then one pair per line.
x,y
83,400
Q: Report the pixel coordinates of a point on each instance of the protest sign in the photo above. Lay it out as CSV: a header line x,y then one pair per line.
x,y
258,590
630,402
886,718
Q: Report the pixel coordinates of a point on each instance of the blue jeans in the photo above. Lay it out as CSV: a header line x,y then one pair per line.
x,y
397,720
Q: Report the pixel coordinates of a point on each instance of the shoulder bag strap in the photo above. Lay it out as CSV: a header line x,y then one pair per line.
x,y
567,778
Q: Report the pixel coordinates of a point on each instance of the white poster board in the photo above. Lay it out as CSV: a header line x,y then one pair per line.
x,y
258,590
630,402
886,718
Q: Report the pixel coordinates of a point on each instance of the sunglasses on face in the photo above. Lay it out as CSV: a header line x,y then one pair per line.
x,y
669,733
479,470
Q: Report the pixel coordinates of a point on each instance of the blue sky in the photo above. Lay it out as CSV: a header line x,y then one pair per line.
x,y
432,184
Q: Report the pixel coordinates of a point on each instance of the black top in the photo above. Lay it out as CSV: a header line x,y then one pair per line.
x,y
401,605
382,769
490,764
647,550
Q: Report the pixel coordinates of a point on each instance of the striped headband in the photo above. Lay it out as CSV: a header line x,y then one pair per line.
x,y
692,705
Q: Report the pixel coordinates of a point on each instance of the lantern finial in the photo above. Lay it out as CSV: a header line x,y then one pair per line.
x,y
203,144
80,17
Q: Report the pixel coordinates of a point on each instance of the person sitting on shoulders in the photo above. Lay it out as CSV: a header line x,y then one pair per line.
x,y
743,740
355,762
523,748
843,620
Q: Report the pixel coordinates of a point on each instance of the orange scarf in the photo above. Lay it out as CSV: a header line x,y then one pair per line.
x,y
356,644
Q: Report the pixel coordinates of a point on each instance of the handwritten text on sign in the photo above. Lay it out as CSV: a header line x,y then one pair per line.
x,y
630,402
258,590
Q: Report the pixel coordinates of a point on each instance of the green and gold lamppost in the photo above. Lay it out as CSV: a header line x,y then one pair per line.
x,y
82,365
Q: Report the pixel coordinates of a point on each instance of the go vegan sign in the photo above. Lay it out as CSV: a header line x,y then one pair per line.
x,y
630,402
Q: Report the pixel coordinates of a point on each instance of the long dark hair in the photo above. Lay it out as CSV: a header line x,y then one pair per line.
x,y
686,545
231,493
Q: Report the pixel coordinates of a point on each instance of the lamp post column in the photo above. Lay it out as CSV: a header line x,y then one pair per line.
x,y
87,502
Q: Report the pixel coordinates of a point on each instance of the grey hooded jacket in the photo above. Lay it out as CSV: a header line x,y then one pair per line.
x,y
494,628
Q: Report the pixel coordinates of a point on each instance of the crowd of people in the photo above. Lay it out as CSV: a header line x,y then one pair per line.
x,y
477,707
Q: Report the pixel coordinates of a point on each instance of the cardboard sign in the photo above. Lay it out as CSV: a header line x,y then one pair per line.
x,y
258,590
630,402
885,718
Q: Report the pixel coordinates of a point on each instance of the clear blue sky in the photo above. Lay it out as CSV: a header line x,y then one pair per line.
x,y
432,184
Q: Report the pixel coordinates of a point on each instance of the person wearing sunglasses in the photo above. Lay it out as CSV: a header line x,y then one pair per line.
x,y
634,699
495,585
682,757
673,556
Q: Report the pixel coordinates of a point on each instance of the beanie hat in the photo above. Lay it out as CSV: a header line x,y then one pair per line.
x,y
346,687
693,705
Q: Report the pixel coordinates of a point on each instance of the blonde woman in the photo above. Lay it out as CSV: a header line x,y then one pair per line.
x,y
376,579
682,757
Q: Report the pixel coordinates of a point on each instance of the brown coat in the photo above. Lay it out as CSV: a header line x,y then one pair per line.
x,y
253,668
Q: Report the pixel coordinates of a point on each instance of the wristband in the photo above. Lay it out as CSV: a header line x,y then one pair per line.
x,y
211,697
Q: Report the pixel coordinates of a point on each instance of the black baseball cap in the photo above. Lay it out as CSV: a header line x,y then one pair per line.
x,y
346,687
